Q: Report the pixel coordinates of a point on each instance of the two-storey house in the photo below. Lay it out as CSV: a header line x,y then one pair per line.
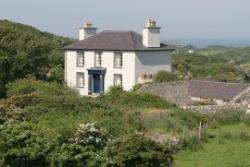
x,y
115,58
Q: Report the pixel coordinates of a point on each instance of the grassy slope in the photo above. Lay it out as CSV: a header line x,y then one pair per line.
x,y
219,151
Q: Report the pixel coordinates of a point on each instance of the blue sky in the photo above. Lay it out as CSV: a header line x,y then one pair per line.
x,y
178,18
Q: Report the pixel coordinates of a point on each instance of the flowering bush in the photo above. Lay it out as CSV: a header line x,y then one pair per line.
x,y
85,147
90,135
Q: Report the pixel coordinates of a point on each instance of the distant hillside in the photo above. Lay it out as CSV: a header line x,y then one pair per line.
x,y
25,50
215,63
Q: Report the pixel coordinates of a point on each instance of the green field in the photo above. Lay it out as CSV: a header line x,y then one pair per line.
x,y
227,146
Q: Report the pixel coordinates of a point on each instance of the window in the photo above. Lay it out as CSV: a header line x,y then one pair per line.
x,y
80,80
118,60
80,59
117,80
98,59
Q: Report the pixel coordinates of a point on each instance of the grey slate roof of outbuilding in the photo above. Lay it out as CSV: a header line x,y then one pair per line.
x,y
116,41
216,90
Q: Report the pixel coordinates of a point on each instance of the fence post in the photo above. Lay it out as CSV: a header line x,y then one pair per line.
x,y
200,131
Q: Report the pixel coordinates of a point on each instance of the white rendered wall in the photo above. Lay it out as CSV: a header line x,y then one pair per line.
x,y
71,70
151,62
127,71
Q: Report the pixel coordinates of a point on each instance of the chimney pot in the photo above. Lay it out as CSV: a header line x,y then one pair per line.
x,y
87,31
151,34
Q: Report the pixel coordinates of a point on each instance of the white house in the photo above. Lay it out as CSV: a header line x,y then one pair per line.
x,y
115,58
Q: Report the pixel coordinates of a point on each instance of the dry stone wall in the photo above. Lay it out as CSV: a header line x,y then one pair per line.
x,y
174,92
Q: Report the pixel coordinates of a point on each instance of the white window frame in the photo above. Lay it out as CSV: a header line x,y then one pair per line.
x,y
80,57
80,84
98,59
118,59
121,79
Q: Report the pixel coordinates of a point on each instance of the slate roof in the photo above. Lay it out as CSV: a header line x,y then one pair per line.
x,y
216,90
116,41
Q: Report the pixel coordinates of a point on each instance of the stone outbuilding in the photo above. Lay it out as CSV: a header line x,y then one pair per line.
x,y
197,92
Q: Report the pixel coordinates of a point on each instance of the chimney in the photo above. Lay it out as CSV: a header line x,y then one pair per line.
x,y
151,35
86,31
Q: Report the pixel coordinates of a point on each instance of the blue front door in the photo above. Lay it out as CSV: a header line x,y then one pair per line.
x,y
97,83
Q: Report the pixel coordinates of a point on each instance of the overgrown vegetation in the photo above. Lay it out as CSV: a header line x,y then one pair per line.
x,y
33,107
48,124
25,50
164,76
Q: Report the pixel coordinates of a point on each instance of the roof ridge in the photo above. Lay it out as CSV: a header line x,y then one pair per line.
x,y
115,40
97,34
132,37
117,31
228,83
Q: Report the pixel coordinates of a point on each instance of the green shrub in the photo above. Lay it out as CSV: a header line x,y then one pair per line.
x,y
23,159
138,151
136,87
117,97
56,74
114,91
22,145
28,86
164,76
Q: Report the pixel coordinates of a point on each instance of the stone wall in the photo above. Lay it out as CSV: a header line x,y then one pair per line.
x,y
216,108
244,98
178,93
174,92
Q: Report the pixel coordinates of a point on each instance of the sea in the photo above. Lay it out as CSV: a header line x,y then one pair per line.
x,y
202,43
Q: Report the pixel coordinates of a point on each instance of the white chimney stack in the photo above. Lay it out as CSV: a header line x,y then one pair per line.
x,y
151,35
86,31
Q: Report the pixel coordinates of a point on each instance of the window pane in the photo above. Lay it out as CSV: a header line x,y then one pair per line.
x,y
98,59
118,60
117,80
80,80
80,59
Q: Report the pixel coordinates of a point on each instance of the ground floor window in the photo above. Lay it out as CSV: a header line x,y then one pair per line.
x,y
80,80
117,80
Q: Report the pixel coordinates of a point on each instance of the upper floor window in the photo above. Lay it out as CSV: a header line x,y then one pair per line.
x,y
80,80
98,59
80,59
118,60
117,80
